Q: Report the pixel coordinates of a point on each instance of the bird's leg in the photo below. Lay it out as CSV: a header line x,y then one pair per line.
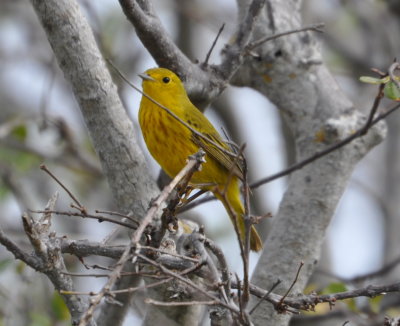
x,y
184,192
185,196
186,200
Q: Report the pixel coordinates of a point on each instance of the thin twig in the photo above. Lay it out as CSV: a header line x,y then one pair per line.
x,y
213,44
182,303
293,283
86,215
98,211
373,110
44,168
265,296
247,229
254,44
196,203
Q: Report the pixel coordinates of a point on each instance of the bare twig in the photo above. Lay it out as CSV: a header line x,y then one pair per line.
x,y
308,302
100,218
291,285
373,110
44,168
213,44
184,303
129,217
265,296
314,27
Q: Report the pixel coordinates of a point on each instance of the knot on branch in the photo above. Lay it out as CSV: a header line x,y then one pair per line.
x,y
338,128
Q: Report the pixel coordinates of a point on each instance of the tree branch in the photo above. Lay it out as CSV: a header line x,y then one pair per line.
x,y
109,126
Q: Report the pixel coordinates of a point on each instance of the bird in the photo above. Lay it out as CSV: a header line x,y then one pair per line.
x,y
171,142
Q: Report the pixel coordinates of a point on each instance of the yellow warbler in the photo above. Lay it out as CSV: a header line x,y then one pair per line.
x,y
170,142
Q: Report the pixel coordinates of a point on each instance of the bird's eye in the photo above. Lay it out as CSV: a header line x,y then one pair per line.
x,y
166,80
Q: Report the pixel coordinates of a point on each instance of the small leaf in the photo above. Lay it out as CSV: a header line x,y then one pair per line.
x,y
392,91
373,80
312,287
375,303
20,132
20,267
351,304
340,287
334,288
59,307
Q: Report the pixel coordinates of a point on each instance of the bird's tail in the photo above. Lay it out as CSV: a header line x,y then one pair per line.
x,y
233,203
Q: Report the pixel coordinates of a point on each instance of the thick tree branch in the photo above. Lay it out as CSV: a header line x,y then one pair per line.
x,y
290,72
109,126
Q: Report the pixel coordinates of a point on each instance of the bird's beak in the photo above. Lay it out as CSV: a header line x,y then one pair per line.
x,y
146,77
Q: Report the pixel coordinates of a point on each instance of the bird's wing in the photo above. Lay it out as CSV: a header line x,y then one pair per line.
x,y
201,124
230,162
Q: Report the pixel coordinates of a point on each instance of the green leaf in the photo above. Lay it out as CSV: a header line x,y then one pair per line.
x,y
59,307
375,304
20,267
351,304
373,80
334,288
20,132
341,287
392,91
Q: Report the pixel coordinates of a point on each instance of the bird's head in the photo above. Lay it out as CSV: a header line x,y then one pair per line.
x,y
159,81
